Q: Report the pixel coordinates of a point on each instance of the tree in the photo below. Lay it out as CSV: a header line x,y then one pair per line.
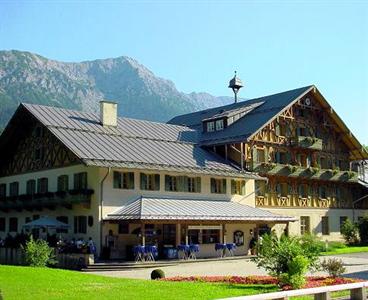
x,y
349,231
288,258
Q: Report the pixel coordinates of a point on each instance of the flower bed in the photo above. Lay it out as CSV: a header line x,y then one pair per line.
x,y
312,281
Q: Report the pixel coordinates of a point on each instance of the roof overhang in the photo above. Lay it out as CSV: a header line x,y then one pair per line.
x,y
176,209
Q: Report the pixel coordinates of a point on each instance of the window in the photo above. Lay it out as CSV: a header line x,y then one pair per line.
x,y
304,225
325,226
260,156
80,181
171,183
80,224
237,187
27,220
338,192
343,219
210,236
2,191
63,219
182,184
322,192
31,187
150,182
39,153
63,183
282,189
14,189
218,186
42,185
219,124
282,157
90,221
260,188
303,191
169,234
193,236
13,224
123,228
39,131
2,224
124,180
194,184
210,126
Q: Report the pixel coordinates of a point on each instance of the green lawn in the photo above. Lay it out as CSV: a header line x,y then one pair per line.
x,y
347,249
39,283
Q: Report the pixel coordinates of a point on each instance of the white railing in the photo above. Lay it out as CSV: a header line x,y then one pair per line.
x,y
357,292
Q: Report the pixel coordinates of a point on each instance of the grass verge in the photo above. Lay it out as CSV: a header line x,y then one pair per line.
x,y
43,283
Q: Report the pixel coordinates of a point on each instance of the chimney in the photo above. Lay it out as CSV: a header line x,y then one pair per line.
x,y
108,113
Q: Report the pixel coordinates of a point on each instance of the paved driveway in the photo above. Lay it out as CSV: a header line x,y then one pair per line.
x,y
356,265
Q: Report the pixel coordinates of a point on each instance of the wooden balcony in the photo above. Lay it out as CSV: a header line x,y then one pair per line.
x,y
306,172
273,200
48,200
308,142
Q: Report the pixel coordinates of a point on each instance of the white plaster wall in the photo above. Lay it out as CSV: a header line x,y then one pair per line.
x,y
77,210
115,198
315,220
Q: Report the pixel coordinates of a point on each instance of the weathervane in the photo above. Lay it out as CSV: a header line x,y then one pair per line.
x,y
235,84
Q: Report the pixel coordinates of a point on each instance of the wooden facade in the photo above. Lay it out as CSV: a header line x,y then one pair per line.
x,y
306,156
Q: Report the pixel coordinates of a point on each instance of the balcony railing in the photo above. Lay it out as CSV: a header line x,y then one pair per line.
x,y
47,200
308,142
307,172
298,201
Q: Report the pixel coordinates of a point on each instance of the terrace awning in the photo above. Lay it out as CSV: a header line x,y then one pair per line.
x,y
147,208
45,222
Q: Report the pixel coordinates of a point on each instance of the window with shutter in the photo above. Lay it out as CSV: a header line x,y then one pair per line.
x,y
150,182
31,187
80,181
117,180
14,189
237,187
218,186
42,185
63,183
325,226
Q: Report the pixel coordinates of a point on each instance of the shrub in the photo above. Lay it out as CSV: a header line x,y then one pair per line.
x,y
363,230
157,274
295,276
349,231
333,267
288,258
38,253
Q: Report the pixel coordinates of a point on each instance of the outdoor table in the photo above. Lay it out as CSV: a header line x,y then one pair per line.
x,y
221,249
193,249
184,249
231,247
139,253
150,252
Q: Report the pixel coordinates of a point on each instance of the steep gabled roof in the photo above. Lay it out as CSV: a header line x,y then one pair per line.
x,y
261,112
132,144
265,109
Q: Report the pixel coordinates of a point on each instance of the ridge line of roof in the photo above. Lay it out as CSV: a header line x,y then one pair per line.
x,y
121,135
239,103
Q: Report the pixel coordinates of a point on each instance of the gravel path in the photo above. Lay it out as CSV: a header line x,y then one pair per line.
x,y
356,265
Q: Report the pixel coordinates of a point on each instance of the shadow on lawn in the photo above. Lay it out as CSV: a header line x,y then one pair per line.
x,y
260,288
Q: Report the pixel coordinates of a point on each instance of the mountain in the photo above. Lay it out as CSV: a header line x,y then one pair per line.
x,y
31,78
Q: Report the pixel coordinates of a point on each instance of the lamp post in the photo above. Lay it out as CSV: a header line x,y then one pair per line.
x,y
235,84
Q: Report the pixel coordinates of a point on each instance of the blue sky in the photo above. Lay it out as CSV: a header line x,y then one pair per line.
x,y
274,45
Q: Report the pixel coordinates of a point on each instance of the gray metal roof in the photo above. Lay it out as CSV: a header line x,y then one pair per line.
x,y
133,143
147,208
245,126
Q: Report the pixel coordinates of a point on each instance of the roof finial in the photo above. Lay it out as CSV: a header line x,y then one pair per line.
x,y
235,84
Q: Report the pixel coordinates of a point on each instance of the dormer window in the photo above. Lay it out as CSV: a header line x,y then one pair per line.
x,y
219,125
210,126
